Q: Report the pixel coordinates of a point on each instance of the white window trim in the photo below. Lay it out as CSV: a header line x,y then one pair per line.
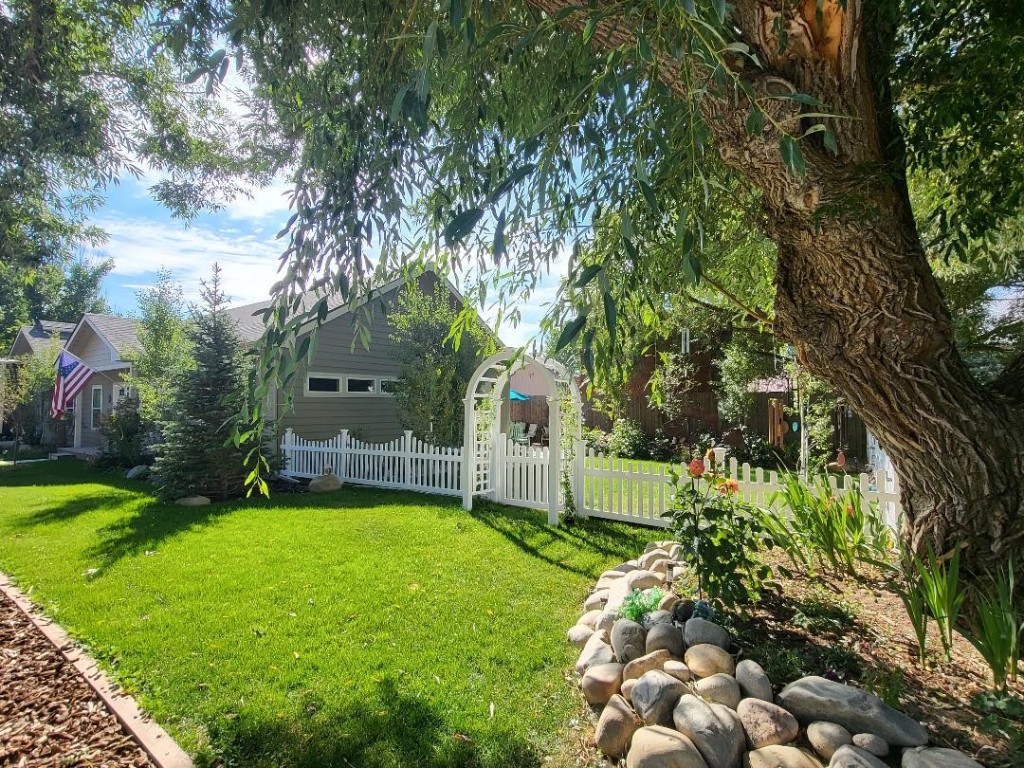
x,y
92,406
342,379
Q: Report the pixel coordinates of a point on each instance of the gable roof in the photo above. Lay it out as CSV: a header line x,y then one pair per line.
x,y
122,333
37,336
250,326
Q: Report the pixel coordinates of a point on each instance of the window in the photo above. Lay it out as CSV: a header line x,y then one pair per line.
x,y
331,384
354,386
97,407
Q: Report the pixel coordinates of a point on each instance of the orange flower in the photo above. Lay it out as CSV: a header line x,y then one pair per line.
x,y
709,455
732,485
696,468
850,510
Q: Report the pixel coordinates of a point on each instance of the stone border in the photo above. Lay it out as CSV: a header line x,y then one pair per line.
x,y
154,740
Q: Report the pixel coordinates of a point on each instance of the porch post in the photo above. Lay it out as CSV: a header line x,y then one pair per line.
x,y
77,441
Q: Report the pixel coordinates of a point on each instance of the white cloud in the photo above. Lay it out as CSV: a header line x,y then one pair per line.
x,y
262,204
140,247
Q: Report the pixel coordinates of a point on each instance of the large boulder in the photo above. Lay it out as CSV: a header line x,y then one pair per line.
x,y
815,698
849,756
937,757
754,683
657,747
589,619
683,610
646,663
596,600
607,618
827,737
596,651
678,670
615,728
720,689
705,660
665,637
657,617
628,640
626,691
780,757
644,579
872,743
648,559
668,602
766,724
714,729
655,695
326,483
699,631
193,501
601,682
138,472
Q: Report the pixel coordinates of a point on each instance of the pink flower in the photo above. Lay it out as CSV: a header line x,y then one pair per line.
x,y
696,468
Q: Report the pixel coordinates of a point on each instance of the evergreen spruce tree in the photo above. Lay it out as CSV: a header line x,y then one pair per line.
x,y
197,456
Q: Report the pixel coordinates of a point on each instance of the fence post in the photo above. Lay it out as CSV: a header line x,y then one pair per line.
x,y
342,471
579,464
407,458
554,455
286,453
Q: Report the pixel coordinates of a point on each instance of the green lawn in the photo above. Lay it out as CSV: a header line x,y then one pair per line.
x,y
364,628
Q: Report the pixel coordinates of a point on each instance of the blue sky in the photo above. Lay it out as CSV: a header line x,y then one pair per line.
x,y
144,237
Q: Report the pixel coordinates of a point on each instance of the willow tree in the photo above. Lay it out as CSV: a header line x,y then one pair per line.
x,y
492,135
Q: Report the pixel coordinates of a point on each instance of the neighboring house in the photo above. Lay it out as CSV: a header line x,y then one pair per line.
x,y
346,386
105,344
33,339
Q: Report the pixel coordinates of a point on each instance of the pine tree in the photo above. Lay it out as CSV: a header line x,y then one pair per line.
x,y
197,456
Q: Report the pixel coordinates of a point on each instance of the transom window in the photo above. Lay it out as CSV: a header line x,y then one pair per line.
x,y
349,385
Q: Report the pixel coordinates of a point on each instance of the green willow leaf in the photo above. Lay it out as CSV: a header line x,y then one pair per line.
x,y
589,273
792,155
462,225
570,332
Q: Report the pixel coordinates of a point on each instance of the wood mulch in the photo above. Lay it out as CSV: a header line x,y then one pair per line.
x,y
49,716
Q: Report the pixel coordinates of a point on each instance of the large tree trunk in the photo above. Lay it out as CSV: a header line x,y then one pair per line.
x,y
856,295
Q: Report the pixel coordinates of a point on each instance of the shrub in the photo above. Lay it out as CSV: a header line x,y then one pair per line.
x,y
597,439
661,447
123,431
756,451
638,604
628,440
720,537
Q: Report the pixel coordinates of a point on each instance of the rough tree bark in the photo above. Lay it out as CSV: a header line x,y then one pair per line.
x,y
855,294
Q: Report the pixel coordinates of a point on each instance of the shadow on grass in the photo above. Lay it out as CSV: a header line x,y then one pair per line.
x,y
68,510
388,728
531,533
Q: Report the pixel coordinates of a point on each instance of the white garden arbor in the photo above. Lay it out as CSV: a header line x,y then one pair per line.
x,y
484,441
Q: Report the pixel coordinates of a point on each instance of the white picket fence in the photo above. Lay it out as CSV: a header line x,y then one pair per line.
x,y
617,489
405,463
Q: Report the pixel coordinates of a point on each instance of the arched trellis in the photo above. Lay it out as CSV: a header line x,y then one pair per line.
x,y
482,430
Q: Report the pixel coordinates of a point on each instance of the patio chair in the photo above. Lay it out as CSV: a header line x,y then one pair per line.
x,y
531,433
517,433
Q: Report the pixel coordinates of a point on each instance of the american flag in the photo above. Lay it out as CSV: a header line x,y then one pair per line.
x,y
72,374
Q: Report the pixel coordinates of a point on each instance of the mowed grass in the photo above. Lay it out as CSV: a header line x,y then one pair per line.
x,y
363,628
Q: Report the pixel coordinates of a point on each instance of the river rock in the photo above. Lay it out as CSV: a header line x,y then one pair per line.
x,y
596,651
715,730
638,667
872,743
849,756
815,698
650,558
601,682
627,689
609,579
657,617
665,637
937,757
754,683
644,580
827,737
677,669
596,601
705,660
589,619
657,747
766,724
615,728
668,602
193,501
655,695
699,631
579,635
683,610
777,756
138,472
628,640
607,618
720,689
627,567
